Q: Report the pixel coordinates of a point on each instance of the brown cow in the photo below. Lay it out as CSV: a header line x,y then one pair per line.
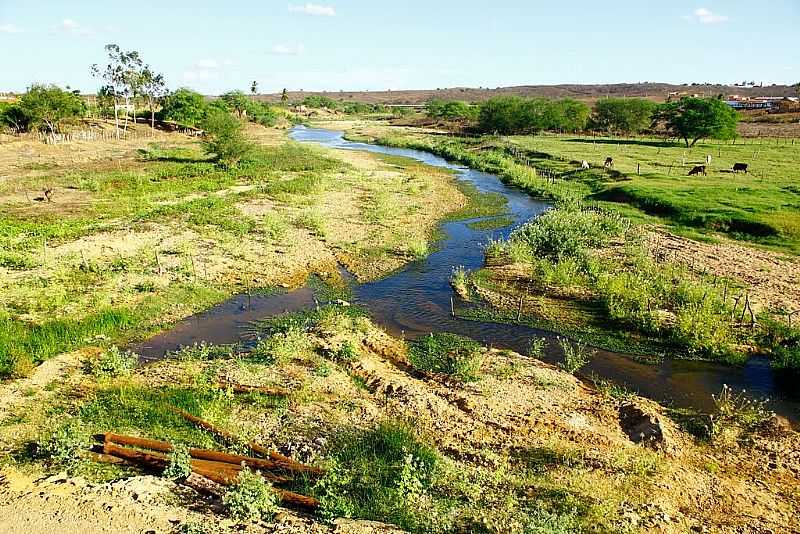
x,y
699,169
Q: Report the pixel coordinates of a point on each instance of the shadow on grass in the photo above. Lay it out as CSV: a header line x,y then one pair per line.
x,y
635,142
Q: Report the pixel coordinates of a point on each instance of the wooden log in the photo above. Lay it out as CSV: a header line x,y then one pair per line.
x,y
215,456
255,447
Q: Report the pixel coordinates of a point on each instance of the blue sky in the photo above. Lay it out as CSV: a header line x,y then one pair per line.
x,y
215,46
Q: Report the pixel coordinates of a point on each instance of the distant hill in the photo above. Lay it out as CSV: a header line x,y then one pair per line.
x,y
655,91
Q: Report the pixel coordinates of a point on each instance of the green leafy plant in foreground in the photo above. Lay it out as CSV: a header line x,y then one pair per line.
x,y
251,498
180,463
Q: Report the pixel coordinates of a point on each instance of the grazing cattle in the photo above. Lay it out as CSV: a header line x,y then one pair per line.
x,y
699,169
609,164
585,165
740,167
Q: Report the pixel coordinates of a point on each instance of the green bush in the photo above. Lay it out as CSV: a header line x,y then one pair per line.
x,y
782,343
251,498
381,474
47,107
180,463
623,115
225,138
517,115
65,444
447,353
568,232
112,363
184,106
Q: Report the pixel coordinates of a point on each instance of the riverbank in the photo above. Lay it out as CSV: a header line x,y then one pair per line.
x,y
758,288
128,245
515,445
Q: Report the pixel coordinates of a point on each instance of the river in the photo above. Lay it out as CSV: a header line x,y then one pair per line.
x,y
416,300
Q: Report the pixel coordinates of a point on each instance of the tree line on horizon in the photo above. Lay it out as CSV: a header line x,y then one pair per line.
x,y
127,80
689,118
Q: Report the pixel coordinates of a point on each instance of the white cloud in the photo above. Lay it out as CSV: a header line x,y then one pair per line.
x,y
288,50
314,9
705,16
73,28
9,28
207,64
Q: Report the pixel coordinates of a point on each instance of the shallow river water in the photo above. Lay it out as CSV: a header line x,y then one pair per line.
x,y
416,301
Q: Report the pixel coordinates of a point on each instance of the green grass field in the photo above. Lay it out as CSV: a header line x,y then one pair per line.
x,y
762,206
649,182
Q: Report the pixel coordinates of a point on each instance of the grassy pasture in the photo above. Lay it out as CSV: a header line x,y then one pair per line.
x,y
649,182
762,206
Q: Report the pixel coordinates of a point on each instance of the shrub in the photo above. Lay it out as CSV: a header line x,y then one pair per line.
x,y
623,115
47,107
736,412
378,474
184,106
536,348
112,363
783,344
575,356
568,232
447,353
225,138
251,498
65,444
180,463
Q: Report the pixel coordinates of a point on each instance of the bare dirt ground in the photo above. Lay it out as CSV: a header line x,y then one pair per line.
x,y
520,410
772,278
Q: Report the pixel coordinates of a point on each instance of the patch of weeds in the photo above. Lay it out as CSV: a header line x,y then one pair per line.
x,y
360,382
738,410
610,389
180,463
491,224
65,444
447,353
381,474
203,352
282,347
251,498
192,528
536,347
323,369
112,363
417,248
458,279
575,356
348,352
16,262
145,287
312,221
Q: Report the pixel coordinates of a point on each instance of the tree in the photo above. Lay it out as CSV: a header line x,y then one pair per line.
x,y
224,137
454,109
12,116
184,106
692,119
237,102
284,96
154,88
122,76
568,115
48,106
623,115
